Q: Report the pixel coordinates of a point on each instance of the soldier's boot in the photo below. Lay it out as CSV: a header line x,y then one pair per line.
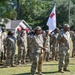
x,y
12,65
40,73
1,56
66,70
32,72
56,59
23,62
47,59
60,70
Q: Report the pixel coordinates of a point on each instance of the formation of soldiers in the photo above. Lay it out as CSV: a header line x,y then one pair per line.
x,y
39,46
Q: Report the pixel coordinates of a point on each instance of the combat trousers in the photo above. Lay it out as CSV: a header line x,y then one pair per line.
x,y
37,63
73,51
63,59
55,53
21,55
10,57
47,55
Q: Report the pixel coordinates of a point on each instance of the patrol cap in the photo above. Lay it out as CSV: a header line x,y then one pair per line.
x,y
37,28
3,28
23,31
66,25
11,31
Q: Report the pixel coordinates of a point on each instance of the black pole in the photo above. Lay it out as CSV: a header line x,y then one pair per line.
x,y
18,17
69,11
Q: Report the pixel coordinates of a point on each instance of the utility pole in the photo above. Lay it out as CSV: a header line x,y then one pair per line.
x,y
69,12
18,9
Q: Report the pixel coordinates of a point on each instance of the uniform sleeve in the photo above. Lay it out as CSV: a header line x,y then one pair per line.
x,y
37,43
18,40
61,37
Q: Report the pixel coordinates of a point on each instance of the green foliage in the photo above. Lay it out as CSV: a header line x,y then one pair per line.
x,y
73,1
6,10
36,12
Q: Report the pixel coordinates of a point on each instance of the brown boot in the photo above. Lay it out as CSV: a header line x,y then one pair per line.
x,y
41,74
12,65
61,71
66,70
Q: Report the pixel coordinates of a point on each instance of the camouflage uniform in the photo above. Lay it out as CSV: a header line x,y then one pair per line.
x,y
63,39
3,47
55,48
30,44
11,47
73,40
47,45
37,53
22,47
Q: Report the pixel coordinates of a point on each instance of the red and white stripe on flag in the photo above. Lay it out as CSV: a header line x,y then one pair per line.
x,y
51,23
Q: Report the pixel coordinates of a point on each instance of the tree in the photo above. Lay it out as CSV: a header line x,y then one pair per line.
x,y
36,12
6,10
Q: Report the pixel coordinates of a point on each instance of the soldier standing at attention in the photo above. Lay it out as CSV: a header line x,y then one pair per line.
x,y
11,47
30,45
63,39
3,47
47,45
73,40
22,47
55,48
37,51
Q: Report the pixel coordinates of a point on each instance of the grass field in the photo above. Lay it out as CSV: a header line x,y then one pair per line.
x,y
49,68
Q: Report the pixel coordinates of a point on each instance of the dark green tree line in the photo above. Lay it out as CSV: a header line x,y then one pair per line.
x,y
36,12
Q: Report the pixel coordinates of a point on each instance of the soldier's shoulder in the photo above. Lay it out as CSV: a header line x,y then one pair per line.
x,y
61,32
30,36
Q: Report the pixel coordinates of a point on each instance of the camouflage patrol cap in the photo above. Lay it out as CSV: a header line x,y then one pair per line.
x,y
37,28
3,28
66,25
23,31
11,31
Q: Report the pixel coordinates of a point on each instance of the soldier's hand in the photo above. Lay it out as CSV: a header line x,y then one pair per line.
x,y
44,48
63,39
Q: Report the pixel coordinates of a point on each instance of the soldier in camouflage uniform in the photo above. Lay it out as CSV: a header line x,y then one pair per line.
x,y
22,47
37,51
73,40
47,45
55,48
3,47
63,39
11,47
30,44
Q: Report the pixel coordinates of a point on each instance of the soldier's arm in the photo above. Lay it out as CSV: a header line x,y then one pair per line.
x,y
18,41
36,43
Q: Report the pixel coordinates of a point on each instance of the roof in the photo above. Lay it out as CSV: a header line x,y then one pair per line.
x,y
15,23
12,24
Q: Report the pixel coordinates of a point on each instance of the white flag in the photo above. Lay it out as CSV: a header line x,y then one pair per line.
x,y
51,23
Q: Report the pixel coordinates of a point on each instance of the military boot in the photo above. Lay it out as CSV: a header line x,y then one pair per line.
x,y
66,70
60,71
41,73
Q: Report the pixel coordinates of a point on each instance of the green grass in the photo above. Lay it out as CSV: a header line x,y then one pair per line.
x,y
49,68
